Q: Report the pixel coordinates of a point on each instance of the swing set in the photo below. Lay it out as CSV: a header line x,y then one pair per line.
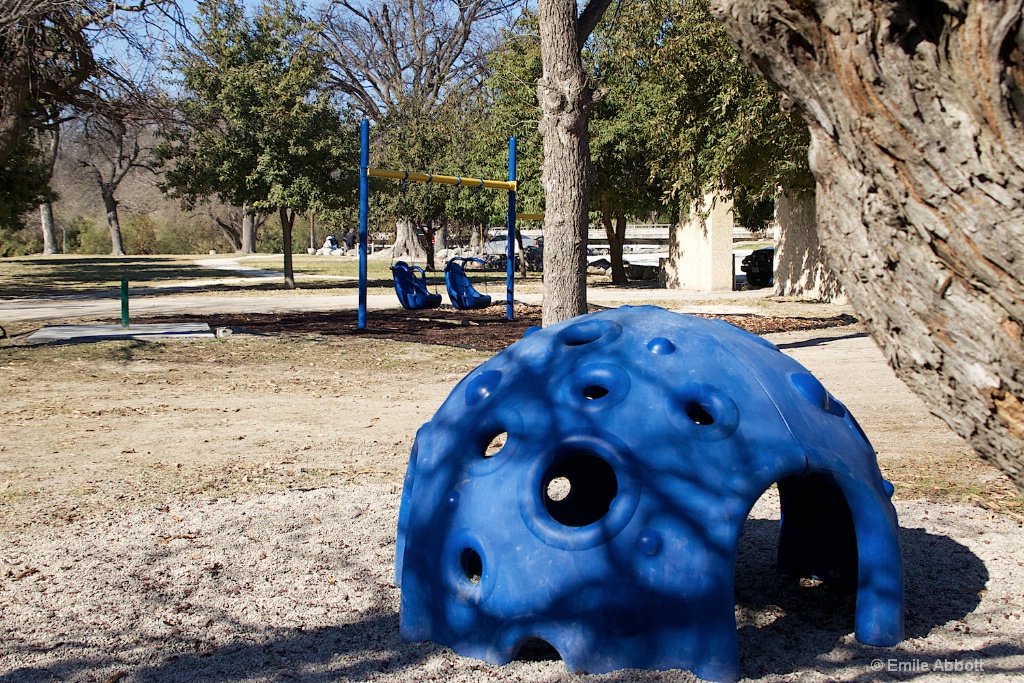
x,y
410,281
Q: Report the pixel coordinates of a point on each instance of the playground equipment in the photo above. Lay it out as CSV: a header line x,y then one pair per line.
x,y
460,289
412,289
608,524
365,173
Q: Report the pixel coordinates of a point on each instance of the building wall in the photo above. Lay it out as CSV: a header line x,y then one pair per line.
x,y
700,249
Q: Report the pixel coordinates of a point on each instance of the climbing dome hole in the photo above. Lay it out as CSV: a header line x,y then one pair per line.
x,y
472,565
699,414
587,485
594,392
496,443
537,650
558,489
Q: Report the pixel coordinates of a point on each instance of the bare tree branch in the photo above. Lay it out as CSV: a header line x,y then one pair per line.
x,y
589,18
47,54
412,53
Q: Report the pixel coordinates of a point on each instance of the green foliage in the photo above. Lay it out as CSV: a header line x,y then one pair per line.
x,y
182,234
271,237
256,127
139,234
621,146
94,238
716,125
23,186
513,110
677,114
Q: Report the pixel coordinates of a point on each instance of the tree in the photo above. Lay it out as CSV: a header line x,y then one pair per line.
x,y
915,112
409,67
114,138
565,101
47,141
212,156
47,55
23,185
621,147
257,128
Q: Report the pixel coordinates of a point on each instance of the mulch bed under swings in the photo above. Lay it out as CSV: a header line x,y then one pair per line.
x,y
486,329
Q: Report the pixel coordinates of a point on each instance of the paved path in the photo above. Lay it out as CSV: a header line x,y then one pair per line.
x,y
156,302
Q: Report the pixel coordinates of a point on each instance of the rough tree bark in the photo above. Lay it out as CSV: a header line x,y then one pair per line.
x,y
250,225
475,241
46,223
801,265
113,222
48,141
287,221
565,101
407,244
615,231
916,111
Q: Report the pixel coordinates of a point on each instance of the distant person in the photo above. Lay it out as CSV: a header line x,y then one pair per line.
x,y
331,243
350,239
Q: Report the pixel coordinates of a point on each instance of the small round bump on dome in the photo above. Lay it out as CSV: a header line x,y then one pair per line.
x,y
589,331
648,542
481,386
811,389
660,346
453,499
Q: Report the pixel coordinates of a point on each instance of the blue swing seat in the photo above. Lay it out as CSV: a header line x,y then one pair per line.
x,y
412,290
460,290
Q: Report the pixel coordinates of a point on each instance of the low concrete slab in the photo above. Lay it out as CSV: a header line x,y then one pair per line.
x,y
152,332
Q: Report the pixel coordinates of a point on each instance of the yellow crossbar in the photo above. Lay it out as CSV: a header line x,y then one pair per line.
x,y
529,216
507,185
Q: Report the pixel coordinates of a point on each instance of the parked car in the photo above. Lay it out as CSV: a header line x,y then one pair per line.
x,y
499,244
759,267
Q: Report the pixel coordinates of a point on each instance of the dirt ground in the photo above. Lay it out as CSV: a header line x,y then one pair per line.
x,y
225,509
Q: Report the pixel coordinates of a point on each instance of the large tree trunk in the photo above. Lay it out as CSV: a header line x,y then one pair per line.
x,y
801,267
230,232
915,111
440,235
110,205
565,101
475,240
250,225
407,244
287,221
46,223
615,231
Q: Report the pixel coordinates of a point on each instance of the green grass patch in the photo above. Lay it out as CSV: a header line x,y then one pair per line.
x,y
44,276
378,273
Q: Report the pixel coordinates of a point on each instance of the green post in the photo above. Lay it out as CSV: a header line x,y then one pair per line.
x,y
124,302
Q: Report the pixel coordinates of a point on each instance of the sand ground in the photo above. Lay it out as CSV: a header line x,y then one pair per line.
x,y
225,510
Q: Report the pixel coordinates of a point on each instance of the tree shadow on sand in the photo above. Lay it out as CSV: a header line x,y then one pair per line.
x,y
796,622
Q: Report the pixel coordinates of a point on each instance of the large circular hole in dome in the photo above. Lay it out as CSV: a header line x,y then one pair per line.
x,y
558,488
699,414
592,486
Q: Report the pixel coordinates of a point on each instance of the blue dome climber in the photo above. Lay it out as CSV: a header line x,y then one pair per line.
x,y
636,442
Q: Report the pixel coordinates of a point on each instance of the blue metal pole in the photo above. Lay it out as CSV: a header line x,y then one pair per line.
x,y
364,202
510,271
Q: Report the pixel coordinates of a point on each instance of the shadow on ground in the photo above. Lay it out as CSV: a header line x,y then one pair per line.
x,y
485,329
806,624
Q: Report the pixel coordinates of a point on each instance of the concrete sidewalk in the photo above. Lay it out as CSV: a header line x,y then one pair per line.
x,y
104,305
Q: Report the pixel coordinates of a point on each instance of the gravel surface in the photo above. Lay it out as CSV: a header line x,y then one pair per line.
x,y
297,586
